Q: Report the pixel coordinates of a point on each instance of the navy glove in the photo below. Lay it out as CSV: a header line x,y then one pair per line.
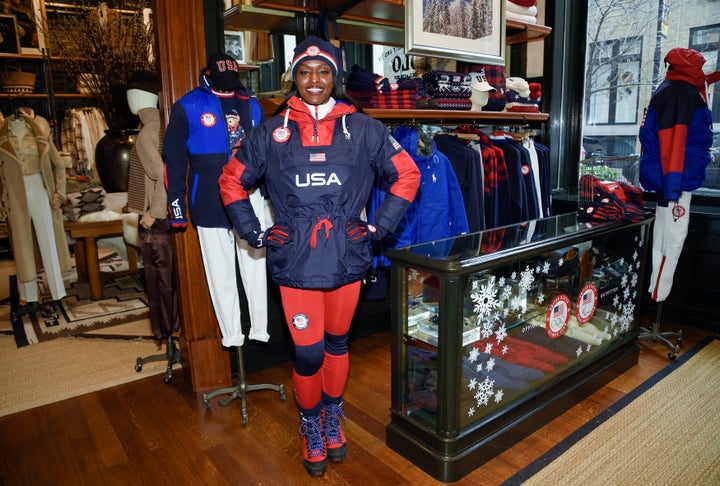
x,y
357,230
256,238
277,236
377,232
273,237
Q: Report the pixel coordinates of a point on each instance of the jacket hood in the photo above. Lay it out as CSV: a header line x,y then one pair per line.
x,y
415,142
687,65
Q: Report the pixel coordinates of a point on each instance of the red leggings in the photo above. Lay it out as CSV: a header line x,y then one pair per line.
x,y
319,321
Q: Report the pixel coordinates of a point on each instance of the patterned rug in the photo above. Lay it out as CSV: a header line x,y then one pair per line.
x,y
76,314
663,432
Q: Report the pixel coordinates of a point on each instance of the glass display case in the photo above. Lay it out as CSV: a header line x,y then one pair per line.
x,y
497,332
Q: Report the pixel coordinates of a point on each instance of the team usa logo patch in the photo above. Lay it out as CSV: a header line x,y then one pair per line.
x,y
678,211
300,322
281,134
208,119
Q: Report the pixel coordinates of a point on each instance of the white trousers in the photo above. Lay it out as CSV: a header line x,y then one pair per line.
x,y
219,248
669,233
39,207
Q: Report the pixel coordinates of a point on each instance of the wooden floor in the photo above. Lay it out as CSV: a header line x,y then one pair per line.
x,y
148,432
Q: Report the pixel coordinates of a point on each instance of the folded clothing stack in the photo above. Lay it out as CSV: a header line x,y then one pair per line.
x,y
521,10
451,90
609,201
372,90
518,96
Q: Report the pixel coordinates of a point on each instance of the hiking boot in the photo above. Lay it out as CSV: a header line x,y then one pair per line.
x,y
334,436
314,453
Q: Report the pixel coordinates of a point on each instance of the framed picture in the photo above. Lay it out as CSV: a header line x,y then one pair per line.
x,y
29,15
446,29
235,45
9,39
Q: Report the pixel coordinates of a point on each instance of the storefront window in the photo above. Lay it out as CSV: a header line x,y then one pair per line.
x,y
626,43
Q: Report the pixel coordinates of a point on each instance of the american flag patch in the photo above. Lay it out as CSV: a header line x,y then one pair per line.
x,y
395,143
317,157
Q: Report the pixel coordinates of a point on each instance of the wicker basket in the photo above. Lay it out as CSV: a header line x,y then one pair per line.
x,y
15,81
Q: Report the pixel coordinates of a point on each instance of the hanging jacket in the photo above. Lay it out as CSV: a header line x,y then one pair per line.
x,y
440,209
676,131
197,135
319,175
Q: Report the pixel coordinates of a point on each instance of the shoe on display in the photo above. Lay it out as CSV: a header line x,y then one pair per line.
x,y
314,452
334,435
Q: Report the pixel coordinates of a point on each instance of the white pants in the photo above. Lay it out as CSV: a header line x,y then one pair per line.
x,y
39,207
219,248
669,233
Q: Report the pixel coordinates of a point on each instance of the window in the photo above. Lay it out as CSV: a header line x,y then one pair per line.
x,y
626,43
613,77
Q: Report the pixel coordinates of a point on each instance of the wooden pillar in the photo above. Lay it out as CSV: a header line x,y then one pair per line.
x,y
181,55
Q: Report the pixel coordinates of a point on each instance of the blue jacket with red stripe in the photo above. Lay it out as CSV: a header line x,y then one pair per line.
x,y
197,136
319,175
676,135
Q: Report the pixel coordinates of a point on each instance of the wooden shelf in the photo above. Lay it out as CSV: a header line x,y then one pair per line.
x,y
37,96
518,32
456,115
271,104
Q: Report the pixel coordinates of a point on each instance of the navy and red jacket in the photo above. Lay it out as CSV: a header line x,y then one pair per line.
x,y
319,175
676,131
197,136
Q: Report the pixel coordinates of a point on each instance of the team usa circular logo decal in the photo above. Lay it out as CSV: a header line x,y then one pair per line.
x,y
281,134
678,211
587,303
208,119
558,316
300,321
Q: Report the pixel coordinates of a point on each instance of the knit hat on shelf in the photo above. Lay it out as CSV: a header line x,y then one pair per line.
x,y
224,72
143,80
314,48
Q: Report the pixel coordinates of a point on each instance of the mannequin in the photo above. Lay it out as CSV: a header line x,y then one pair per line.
x,y
149,202
33,192
480,92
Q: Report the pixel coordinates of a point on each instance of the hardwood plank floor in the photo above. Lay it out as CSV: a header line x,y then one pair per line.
x,y
147,432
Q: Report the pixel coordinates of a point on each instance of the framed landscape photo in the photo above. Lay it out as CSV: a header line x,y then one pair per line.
x,y
235,45
455,29
9,39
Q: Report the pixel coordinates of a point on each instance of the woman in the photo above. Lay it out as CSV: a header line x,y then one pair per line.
x,y
318,157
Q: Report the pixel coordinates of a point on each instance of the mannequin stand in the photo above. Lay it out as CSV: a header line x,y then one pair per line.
x,y
654,335
241,389
47,310
171,354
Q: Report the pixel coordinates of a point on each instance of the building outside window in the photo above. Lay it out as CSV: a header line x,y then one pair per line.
x,y
627,41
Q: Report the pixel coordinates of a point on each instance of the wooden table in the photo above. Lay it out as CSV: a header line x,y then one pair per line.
x,y
87,261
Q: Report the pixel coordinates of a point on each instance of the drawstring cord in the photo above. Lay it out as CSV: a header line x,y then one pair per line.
x,y
345,130
325,222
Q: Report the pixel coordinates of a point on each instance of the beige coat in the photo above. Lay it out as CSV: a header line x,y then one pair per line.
x,y
13,201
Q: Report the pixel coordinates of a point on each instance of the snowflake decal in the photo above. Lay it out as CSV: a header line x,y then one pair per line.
x,y
490,365
526,278
579,351
484,300
506,292
474,353
498,396
500,333
540,297
546,268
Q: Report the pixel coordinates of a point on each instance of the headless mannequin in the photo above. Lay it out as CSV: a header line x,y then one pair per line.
x,y
479,99
35,183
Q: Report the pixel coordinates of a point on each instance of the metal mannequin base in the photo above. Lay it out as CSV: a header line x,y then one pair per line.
x,y
171,354
241,389
654,335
